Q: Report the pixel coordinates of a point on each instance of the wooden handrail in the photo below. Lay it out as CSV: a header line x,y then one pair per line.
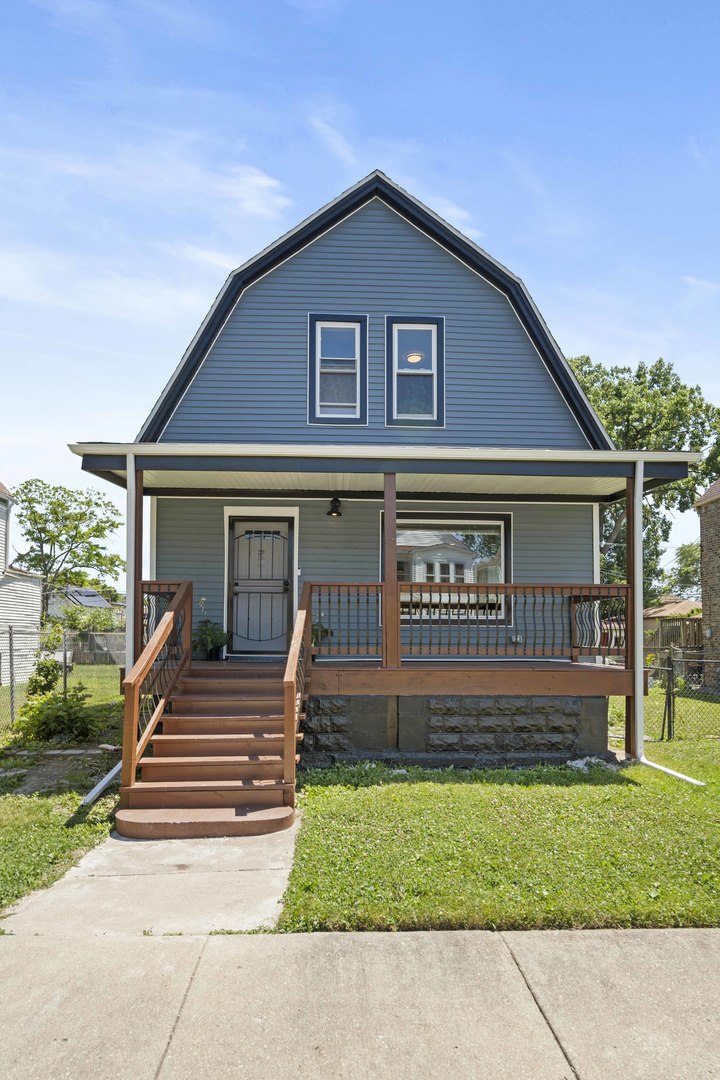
x,y
295,680
135,742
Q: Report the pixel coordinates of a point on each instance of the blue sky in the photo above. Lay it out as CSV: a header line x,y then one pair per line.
x,y
149,146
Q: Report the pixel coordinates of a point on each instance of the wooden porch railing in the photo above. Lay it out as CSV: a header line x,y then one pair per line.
x,y
464,620
295,681
152,601
152,679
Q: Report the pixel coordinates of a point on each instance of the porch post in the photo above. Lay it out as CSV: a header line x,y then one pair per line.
x,y
639,677
138,560
131,506
391,606
630,610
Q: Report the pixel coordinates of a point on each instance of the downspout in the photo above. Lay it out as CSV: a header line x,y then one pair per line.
x,y
639,672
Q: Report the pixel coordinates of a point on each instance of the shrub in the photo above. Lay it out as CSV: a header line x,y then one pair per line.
x,y
44,678
57,714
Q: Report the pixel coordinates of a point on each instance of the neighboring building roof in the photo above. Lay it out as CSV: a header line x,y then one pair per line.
x,y
83,596
709,496
377,185
672,607
415,539
5,494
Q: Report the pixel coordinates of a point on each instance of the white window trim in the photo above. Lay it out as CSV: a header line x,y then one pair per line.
x,y
320,410
433,372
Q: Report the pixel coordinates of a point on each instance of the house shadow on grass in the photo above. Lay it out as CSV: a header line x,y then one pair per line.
x,y
378,774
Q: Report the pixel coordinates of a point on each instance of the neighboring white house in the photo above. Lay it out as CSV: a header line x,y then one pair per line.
x,y
20,604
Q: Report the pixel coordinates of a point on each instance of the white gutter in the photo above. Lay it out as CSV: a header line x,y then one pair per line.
x,y
370,453
639,673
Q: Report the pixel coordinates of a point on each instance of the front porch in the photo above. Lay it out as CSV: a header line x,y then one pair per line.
x,y
443,615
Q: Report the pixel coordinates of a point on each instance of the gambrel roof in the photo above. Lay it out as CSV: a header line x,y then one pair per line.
x,y
379,186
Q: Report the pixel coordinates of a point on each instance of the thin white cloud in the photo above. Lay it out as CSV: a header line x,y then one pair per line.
x,y
111,22
455,215
49,279
333,139
166,171
204,257
709,288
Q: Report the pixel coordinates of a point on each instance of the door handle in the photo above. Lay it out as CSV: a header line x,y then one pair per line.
x,y
286,586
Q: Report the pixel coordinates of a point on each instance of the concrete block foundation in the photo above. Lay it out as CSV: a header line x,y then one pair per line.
x,y
474,729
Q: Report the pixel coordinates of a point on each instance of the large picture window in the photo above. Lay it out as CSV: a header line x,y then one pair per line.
x,y
337,370
415,372
431,554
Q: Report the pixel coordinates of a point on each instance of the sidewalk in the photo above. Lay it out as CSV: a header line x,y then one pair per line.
x,y
513,1006
136,965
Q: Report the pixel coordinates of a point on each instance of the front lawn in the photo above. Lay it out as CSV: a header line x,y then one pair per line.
x,y
509,849
42,835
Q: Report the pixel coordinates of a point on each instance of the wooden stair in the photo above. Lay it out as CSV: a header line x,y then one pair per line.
x,y
217,762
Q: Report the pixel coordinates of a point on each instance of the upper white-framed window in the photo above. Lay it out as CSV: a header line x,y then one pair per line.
x,y
337,369
415,371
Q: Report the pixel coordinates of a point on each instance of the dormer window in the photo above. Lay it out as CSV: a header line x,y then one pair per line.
x,y
337,369
415,372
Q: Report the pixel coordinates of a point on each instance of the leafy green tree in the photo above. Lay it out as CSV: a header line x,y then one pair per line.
x,y
650,408
65,533
683,577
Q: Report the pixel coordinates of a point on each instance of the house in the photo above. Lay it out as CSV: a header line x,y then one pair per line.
x,y
376,471
84,598
708,508
20,607
672,620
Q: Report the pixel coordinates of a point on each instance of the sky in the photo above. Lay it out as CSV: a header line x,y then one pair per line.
x,y
147,147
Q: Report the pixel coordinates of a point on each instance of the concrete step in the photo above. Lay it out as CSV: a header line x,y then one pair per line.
x,y
175,793
219,767
211,744
198,821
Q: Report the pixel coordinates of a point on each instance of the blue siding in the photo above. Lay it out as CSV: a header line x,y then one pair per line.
x,y
551,542
252,386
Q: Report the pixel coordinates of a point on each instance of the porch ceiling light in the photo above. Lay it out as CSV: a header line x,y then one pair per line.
x,y
414,357
334,510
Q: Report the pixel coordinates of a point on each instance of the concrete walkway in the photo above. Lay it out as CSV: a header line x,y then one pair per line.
x,y
134,887
115,972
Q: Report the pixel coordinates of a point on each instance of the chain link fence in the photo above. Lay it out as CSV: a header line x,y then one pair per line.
x,y
84,656
691,708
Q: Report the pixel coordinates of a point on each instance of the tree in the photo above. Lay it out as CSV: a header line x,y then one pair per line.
x,y
683,578
650,408
65,532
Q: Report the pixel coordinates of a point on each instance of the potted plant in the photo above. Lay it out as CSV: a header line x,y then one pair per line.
x,y
210,638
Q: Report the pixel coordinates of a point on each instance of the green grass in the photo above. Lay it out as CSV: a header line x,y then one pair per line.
x,y
509,849
697,715
41,836
102,682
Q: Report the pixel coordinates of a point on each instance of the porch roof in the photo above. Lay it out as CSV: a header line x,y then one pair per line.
x,y
422,471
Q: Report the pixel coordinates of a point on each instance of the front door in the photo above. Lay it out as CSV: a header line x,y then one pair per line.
x,y
261,596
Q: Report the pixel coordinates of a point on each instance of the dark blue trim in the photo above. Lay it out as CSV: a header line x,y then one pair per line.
x,y
661,472
313,418
429,320
377,186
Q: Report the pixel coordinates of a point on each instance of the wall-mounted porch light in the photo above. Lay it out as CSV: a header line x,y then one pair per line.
x,y
334,510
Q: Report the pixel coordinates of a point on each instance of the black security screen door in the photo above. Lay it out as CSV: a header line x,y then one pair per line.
x,y
260,580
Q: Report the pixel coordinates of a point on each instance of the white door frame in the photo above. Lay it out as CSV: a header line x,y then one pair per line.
x,y
260,513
